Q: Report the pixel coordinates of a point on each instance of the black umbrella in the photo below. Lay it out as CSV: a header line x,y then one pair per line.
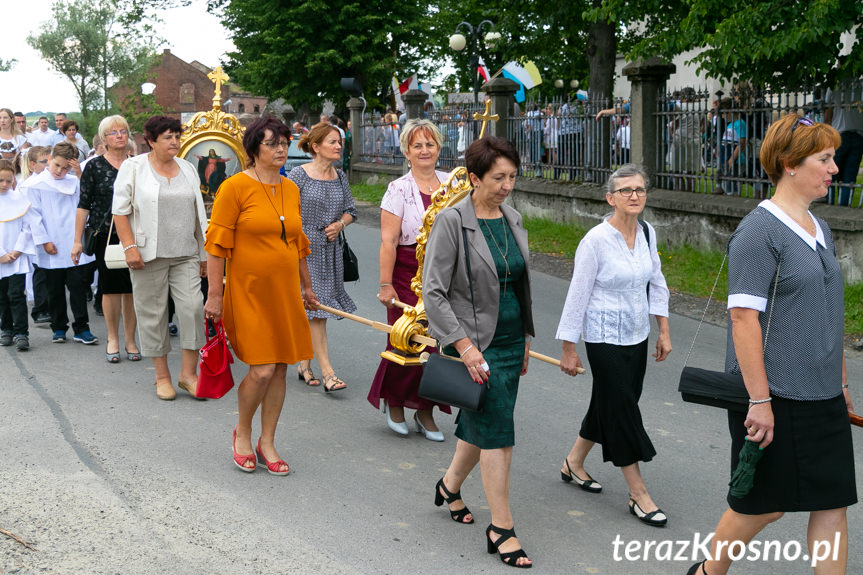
x,y
744,475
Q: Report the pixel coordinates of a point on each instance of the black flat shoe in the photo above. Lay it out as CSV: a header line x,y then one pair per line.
x,y
510,558
694,569
655,518
588,484
439,498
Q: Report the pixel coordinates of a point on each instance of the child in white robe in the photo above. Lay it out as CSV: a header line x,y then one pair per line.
x,y
16,245
54,194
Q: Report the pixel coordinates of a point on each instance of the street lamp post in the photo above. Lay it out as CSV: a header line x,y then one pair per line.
x,y
458,42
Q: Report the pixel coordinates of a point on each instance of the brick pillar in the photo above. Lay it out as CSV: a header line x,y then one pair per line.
x,y
648,77
355,113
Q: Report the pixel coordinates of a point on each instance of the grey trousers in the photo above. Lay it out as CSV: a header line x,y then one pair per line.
x,y
179,277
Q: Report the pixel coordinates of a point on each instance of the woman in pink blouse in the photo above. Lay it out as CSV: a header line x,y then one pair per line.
x,y
402,210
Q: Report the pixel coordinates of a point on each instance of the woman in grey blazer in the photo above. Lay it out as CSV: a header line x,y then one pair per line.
x,y
495,346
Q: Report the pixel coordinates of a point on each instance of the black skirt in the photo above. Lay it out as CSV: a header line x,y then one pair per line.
x,y
613,418
110,281
809,466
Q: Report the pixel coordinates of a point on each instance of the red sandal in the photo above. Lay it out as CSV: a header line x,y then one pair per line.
x,y
273,467
242,460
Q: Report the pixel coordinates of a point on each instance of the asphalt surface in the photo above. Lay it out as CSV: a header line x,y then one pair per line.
x,y
102,477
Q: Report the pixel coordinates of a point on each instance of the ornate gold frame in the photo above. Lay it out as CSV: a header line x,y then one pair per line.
x,y
214,125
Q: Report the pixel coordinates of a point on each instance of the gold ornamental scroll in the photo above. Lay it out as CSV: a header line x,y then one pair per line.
x,y
214,129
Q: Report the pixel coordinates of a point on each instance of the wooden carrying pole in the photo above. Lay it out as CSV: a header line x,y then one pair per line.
x,y
421,338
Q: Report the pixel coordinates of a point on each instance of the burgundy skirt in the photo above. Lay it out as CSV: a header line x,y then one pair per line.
x,y
398,384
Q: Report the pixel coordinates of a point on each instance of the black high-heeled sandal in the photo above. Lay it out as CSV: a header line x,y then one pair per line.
x,y
510,558
439,498
694,569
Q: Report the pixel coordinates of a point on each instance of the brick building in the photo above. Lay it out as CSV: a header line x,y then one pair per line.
x,y
183,88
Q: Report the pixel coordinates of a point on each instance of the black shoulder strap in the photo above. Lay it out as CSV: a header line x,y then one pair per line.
x,y
469,276
647,237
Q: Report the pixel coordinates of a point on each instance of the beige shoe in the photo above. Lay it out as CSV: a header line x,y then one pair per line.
x,y
189,388
165,390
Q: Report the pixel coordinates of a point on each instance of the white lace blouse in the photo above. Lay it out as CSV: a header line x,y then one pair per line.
x,y
607,301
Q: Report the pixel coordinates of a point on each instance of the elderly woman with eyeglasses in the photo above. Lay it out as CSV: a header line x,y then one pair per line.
x,y
94,211
160,219
617,284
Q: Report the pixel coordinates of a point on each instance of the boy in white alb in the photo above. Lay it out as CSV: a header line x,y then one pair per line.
x,y
54,194
16,244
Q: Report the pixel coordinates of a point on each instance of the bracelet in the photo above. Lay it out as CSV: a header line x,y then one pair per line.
x,y
129,247
845,386
384,285
341,221
461,354
757,401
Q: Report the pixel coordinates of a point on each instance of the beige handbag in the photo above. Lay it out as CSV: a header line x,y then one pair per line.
x,y
115,256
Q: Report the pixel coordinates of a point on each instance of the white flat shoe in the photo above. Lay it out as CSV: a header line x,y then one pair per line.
x,y
430,435
399,427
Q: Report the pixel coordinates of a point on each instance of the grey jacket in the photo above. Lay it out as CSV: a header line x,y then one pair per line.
x,y
446,290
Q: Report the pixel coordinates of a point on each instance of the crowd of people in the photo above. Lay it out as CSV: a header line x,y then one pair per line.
x,y
272,251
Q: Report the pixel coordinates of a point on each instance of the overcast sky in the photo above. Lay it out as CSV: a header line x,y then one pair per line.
x,y
33,85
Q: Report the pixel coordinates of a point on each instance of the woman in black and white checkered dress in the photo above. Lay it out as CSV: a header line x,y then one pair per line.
x,y
797,384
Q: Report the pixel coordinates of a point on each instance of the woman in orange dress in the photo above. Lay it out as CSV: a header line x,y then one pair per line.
x,y
256,228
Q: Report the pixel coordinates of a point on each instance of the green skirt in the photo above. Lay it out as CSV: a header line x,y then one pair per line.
x,y
493,427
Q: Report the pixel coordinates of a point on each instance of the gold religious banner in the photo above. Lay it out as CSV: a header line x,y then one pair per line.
x,y
409,334
213,141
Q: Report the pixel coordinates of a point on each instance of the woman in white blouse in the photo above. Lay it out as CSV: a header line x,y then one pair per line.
x,y
617,284
402,210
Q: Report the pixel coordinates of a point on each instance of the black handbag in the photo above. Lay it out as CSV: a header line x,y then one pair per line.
x,y
718,388
446,380
351,263
90,235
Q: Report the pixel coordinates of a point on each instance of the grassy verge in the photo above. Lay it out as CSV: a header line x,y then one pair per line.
x,y
372,193
687,270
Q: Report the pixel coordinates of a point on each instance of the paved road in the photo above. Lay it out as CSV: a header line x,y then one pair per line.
x,y
104,478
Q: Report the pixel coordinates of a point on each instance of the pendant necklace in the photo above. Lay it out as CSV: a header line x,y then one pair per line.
x,y
504,253
283,237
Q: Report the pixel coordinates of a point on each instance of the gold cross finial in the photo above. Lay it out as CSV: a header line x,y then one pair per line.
x,y
486,117
218,77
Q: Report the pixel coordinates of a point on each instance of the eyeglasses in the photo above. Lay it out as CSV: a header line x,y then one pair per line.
x,y
804,121
627,192
280,144
113,133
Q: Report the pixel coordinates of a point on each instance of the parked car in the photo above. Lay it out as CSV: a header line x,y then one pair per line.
x,y
296,157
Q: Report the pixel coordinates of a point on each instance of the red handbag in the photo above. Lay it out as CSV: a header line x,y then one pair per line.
x,y
214,373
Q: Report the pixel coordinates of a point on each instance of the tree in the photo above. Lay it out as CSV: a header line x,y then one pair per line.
x,y
780,43
551,34
6,65
89,45
299,50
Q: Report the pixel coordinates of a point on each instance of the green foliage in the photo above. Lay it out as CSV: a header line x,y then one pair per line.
x,y
693,271
93,44
6,65
300,50
779,43
551,34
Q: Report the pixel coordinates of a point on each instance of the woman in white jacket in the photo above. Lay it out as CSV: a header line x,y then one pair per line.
x,y
160,220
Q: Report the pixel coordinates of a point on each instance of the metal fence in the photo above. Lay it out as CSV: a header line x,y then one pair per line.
x,y
459,130
574,141
710,143
381,140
